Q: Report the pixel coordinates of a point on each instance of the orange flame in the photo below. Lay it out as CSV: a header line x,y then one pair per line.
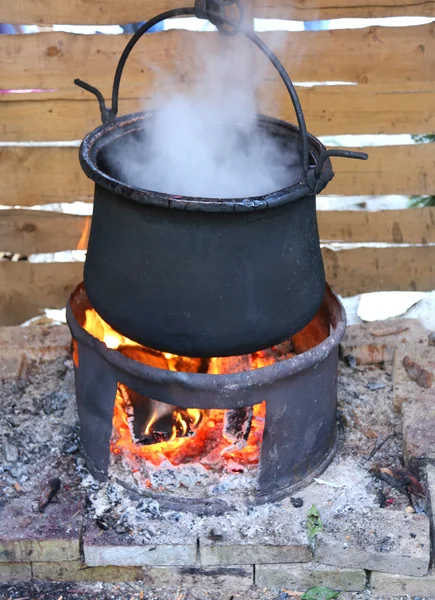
x,y
84,238
151,423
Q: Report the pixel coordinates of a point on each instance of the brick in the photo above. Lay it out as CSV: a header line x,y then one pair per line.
x,y
418,429
386,584
220,554
379,539
405,389
38,550
262,541
300,577
140,555
373,343
29,536
431,501
108,548
78,571
15,572
39,341
235,578
11,363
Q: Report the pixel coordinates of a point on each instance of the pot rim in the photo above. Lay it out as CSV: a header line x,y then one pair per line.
x,y
94,141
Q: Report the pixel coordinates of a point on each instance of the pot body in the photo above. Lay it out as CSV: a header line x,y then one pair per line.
x,y
204,284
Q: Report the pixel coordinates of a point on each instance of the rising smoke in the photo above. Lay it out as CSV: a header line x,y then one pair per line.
x,y
207,143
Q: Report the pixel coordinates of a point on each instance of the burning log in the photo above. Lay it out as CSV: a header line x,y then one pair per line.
x,y
151,421
237,426
237,422
48,493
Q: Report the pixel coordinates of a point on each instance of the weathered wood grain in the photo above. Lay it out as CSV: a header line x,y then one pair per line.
x,y
407,170
32,232
329,110
111,12
407,226
309,10
359,109
45,175
42,175
27,288
397,268
372,55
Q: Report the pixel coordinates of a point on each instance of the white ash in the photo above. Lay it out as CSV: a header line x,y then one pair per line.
x,y
38,426
145,520
186,480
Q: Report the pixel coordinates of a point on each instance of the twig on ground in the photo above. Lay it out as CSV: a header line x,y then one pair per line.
x,y
379,446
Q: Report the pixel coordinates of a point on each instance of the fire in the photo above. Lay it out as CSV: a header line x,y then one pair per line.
x,y
84,238
200,440
217,439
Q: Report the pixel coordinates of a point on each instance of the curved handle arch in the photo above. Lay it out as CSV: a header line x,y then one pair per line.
x,y
108,114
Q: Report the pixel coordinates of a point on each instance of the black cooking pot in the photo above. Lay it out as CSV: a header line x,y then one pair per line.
x,y
199,276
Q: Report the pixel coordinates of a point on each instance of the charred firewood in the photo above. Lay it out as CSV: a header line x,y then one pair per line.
x,y
237,425
150,420
49,492
404,482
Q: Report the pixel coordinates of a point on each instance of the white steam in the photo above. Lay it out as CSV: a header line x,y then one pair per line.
x,y
208,143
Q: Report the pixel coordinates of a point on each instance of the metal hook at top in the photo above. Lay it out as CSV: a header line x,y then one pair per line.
x,y
107,114
214,10
314,176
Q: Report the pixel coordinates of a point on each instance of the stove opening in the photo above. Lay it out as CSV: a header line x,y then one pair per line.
x,y
164,435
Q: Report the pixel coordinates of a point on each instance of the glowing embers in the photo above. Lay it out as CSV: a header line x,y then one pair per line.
x,y
154,422
157,432
98,328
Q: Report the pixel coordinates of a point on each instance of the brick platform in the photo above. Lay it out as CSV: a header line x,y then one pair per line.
x,y
373,550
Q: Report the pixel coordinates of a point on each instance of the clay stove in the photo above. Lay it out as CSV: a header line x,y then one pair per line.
x,y
271,427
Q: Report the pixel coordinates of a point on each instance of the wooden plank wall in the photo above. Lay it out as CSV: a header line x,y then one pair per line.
x,y
386,85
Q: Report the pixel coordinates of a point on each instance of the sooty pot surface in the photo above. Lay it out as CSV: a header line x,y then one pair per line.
x,y
202,276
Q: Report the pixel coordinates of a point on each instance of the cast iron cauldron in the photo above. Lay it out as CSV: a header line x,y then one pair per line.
x,y
198,276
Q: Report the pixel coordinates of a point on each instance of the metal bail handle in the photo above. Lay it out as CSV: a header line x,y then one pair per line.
x,y
200,10
316,179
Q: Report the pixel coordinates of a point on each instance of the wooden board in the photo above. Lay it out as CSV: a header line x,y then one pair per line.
x,y
408,226
329,110
27,288
309,10
372,55
405,170
105,12
32,232
359,109
45,175
397,268
42,175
